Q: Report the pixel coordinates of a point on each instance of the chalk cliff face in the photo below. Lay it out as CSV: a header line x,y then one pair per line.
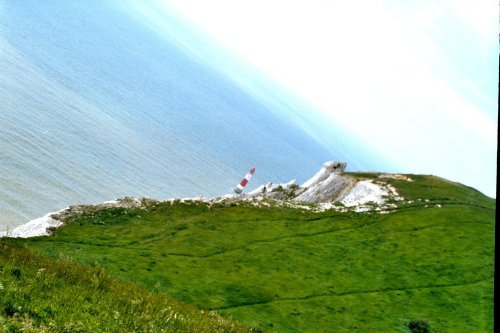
x,y
331,185
328,184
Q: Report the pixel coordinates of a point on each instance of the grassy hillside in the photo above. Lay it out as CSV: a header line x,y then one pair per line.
x,y
289,270
40,295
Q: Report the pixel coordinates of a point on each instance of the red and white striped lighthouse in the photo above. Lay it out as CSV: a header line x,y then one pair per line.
x,y
239,188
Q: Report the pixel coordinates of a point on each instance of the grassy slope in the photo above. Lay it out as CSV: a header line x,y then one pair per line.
x,y
294,271
40,295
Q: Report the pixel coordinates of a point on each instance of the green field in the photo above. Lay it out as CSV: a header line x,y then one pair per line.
x,y
290,270
40,295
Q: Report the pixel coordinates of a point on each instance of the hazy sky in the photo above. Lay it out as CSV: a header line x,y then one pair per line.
x,y
415,80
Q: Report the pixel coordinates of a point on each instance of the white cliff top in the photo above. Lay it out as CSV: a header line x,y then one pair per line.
x,y
363,192
324,172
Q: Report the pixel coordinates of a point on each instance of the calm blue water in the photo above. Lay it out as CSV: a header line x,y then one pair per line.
x,y
94,106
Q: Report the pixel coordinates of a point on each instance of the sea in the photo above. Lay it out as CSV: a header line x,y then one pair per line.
x,y
95,106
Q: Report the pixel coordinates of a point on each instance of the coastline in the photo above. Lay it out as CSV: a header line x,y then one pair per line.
x,y
36,227
350,194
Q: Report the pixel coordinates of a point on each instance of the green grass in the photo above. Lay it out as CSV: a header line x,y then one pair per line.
x,y
288,270
40,295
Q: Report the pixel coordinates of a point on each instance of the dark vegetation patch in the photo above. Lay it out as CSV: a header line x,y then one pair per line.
x,y
419,326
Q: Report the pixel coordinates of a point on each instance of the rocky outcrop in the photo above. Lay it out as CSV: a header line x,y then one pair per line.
x,y
328,184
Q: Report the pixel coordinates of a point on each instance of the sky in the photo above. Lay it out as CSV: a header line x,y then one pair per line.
x,y
414,80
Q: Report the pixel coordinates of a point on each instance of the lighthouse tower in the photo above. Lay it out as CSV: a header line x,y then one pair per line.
x,y
239,188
